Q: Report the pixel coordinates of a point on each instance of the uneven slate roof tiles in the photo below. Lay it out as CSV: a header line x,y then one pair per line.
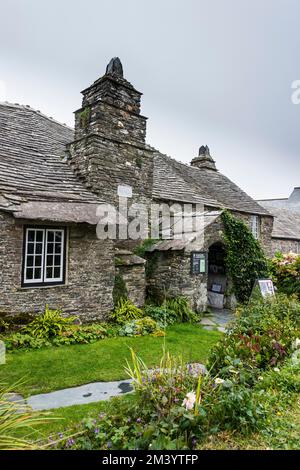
x,y
180,182
32,163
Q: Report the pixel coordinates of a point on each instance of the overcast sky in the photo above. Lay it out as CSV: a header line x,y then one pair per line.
x,y
215,72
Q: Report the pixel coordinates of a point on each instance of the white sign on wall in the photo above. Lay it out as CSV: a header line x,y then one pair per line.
x,y
124,191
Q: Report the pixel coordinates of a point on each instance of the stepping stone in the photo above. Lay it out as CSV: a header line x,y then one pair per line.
x,y
88,393
207,321
18,400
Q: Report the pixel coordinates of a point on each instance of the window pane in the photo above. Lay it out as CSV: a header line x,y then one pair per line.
x,y
49,273
29,261
38,261
31,235
49,260
58,237
37,273
29,273
56,272
30,248
50,247
57,247
57,260
50,237
39,235
38,248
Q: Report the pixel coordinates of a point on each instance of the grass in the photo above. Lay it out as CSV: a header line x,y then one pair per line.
x,y
55,368
65,420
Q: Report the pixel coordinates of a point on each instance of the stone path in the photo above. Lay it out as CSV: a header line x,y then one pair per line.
x,y
88,393
217,319
96,391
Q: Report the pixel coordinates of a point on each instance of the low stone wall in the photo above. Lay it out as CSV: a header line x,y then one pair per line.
x,y
285,246
90,275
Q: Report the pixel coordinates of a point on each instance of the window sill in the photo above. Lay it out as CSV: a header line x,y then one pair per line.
x,y
41,287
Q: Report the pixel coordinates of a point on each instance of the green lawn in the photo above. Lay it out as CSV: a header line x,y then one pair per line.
x,y
66,366
65,420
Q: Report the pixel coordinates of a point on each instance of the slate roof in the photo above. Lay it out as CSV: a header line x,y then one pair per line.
x,y
35,179
187,238
37,182
286,219
177,181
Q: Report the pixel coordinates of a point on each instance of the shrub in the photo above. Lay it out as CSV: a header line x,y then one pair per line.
x,y
142,326
24,341
181,308
161,315
285,271
245,259
261,337
125,311
51,323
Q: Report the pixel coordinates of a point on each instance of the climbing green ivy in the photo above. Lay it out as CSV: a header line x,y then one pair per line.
x,y
245,259
120,289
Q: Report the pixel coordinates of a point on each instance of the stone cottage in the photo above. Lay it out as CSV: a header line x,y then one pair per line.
x,y
286,230
53,179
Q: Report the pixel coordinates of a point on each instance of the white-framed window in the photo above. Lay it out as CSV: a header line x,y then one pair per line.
x,y
44,256
255,226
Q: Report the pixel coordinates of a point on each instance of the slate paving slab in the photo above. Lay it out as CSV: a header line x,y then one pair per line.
x,y
217,319
81,395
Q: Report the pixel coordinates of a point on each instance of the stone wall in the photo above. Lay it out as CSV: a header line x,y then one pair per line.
x,y
90,275
131,268
285,246
171,270
171,276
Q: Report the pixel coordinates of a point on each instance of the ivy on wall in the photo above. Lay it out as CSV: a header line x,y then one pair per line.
x,y
245,259
120,289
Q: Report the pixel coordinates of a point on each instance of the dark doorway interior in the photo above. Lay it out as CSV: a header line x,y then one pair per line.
x,y
217,278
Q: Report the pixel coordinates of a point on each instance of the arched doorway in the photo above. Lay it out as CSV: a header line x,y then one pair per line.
x,y
217,276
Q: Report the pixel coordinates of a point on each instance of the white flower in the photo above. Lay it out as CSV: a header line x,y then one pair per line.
x,y
219,381
276,369
189,400
296,343
260,378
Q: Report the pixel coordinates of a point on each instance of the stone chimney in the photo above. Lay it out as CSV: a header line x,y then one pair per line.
x,y
109,149
294,199
204,159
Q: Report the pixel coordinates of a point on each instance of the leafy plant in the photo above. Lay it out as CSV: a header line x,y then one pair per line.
x,y
261,337
24,341
12,419
285,271
245,259
4,326
161,315
142,326
51,323
181,308
119,290
125,310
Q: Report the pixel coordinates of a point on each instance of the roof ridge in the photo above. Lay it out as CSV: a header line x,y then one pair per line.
x,y
36,111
